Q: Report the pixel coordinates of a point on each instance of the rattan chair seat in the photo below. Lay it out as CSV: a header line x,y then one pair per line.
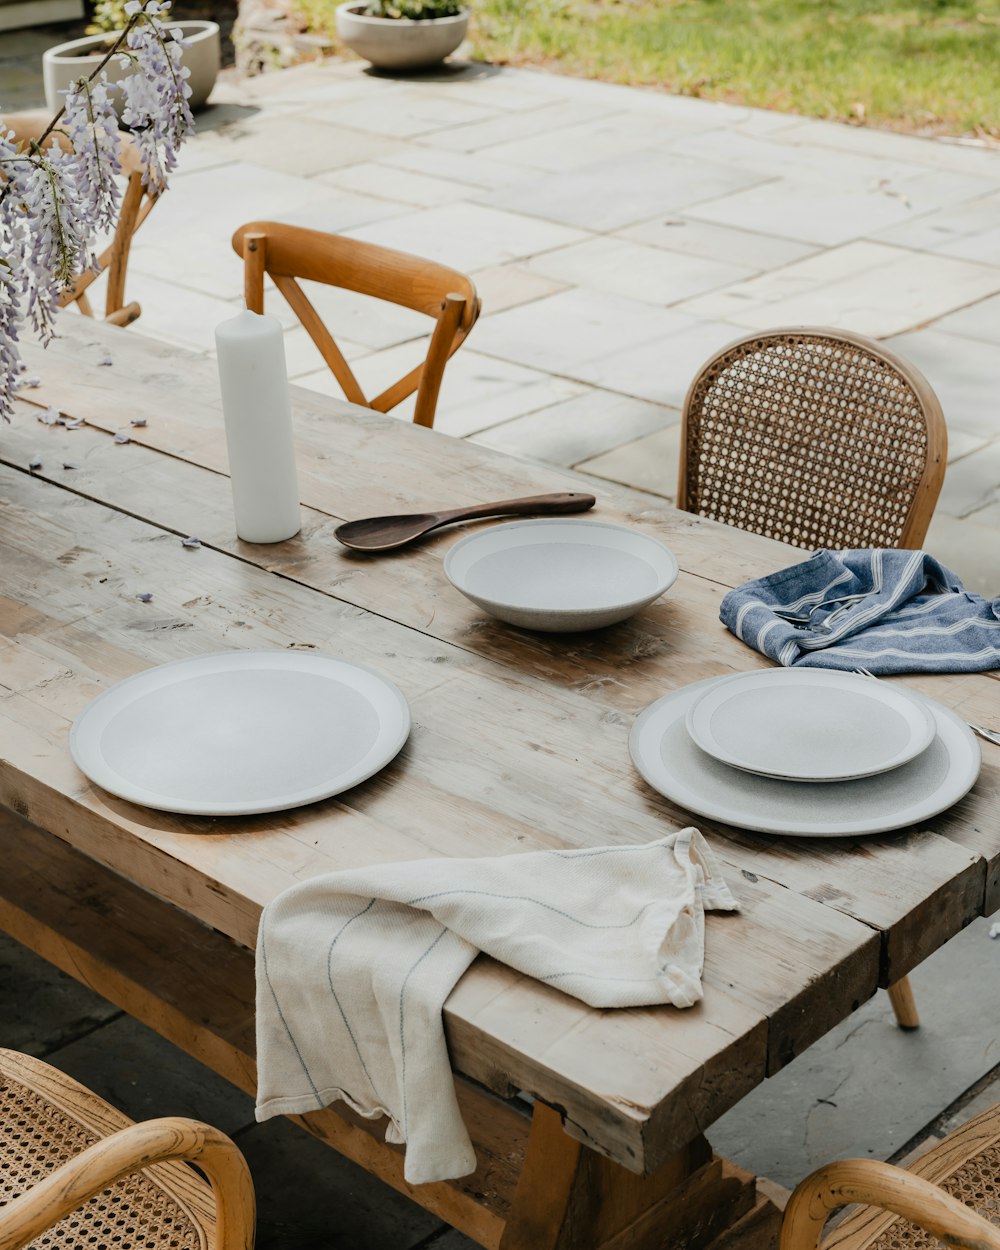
x,y
35,1137
815,437
966,1165
45,1119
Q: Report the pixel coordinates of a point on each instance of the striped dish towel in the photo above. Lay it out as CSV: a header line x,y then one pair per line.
x,y
353,970
884,610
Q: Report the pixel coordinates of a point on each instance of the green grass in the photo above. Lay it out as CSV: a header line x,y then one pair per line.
x,y
931,66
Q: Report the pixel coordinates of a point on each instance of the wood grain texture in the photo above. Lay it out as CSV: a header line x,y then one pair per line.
x,y
520,741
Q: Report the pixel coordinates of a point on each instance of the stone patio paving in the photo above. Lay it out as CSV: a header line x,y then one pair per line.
x,y
618,237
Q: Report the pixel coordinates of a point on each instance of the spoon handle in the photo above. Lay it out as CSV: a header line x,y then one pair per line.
x,y
566,501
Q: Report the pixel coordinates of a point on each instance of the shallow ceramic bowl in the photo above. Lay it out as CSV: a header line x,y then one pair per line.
x,y
560,575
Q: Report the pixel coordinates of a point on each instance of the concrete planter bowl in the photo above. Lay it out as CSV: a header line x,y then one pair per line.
x,y
399,43
67,62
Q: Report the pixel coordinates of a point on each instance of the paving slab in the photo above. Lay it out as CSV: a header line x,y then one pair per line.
x,y
648,463
562,331
964,372
549,116
298,143
965,227
311,1198
578,429
725,244
468,236
401,186
980,320
41,1008
506,286
600,138
867,287
661,369
831,208
970,548
477,392
610,194
144,1076
868,1088
972,483
622,267
405,113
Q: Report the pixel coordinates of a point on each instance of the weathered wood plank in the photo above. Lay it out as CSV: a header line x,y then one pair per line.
x,y
72,569
183,575
196,988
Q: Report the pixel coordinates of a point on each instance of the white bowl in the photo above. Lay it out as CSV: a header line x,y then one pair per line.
x,y
560,575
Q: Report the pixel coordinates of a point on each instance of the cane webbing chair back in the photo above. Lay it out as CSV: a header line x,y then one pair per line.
x,y
952,1193
288,253
54,1195
135,206
816,437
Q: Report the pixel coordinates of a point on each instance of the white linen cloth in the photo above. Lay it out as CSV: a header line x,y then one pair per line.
x,y
353,969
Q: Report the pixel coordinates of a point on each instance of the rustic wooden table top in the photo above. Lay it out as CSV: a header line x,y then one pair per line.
x,y
519,740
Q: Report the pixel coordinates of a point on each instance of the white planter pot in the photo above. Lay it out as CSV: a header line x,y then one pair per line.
x,y
67,62
399,42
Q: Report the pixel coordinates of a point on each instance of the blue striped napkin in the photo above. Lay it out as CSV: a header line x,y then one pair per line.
x,y
884,610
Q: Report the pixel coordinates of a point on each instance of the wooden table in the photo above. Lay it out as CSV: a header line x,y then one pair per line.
x,y
519,742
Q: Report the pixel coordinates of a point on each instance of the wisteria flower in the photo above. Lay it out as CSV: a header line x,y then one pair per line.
x,y
55,198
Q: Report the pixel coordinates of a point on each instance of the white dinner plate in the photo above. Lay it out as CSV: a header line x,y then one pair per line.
x,y
669,760
810,724
240,732
560,575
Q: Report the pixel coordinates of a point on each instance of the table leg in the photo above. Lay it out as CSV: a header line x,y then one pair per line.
x,y
571,1198
536,1189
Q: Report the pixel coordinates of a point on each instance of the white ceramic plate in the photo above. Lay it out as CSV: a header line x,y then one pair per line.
x,y
240,732
560,575
665,755
810,724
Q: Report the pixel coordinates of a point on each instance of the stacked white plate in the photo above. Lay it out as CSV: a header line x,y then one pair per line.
x,y
810,752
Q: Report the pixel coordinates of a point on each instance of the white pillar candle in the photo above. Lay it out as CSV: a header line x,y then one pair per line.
x,y
255,406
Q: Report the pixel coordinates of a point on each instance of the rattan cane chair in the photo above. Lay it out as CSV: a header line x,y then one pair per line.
x,y
78,1174
951,1194
136,205
816,437
287,253
819,438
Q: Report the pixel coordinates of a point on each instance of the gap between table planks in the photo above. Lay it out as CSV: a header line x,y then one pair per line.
x,y
58,562
533,1189
783,861
668,644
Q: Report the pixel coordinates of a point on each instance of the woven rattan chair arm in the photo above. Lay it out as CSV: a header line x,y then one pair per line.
x,y
130,1150
871,1183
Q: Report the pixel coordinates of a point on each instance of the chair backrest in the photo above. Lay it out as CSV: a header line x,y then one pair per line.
x,y
136,204
816,437
287,253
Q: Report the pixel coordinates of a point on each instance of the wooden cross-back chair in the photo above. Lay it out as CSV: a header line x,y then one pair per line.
x,y
950,1194
136,205
288,253
819,438
77,1173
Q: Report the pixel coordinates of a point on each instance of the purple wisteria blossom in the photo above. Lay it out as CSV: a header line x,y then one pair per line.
x,y
55,197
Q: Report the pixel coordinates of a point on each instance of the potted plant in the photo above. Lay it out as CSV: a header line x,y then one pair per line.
x,y
402,34
68,62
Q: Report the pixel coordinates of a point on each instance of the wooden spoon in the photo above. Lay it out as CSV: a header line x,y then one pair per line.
x,y
385,533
